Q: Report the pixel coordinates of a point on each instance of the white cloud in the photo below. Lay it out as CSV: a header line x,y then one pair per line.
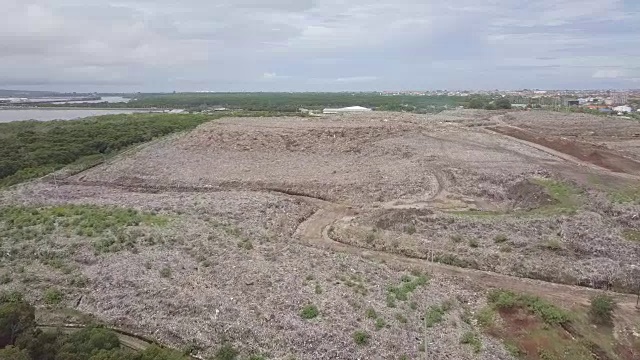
x,y
355,79
608,74
228,44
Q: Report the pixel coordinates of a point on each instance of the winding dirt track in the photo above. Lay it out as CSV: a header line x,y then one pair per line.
x,y
314,232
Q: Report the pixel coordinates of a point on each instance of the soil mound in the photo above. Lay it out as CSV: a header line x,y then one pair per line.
x,y
397,218
526,195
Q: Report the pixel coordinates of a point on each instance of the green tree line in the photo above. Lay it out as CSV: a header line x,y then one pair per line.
x,y
30,149
20,339
287,102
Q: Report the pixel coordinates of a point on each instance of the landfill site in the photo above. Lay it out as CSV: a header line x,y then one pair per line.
x,y
371,235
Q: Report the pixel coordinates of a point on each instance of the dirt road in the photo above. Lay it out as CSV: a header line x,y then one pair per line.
x,y
315,232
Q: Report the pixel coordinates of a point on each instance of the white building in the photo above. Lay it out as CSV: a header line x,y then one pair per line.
x,y
345,110
623,109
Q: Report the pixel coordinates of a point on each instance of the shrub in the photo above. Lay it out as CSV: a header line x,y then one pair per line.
x,y
318,289
410,229
16,318
408,286
361,337
309,312
552,245
503,299
391,301
380,323
401,318
226,352
371,314
52,296
456,238
473,243
435,314
472,339
485,317
165,272
500,238
602,308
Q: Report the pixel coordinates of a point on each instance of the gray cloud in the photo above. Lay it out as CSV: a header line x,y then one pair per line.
x,y
281,45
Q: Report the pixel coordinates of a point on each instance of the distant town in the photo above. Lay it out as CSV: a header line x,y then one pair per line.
x,y
614,102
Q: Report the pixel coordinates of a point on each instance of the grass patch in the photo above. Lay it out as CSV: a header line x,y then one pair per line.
x,y
361,337
473,243
601,309
53,296
456,239
435,314
631,235
407,286
356,283
401,318
371,313
471,338
245,244
391,300
500,238
629,195
89,219
565,195
226,352
550,314
318,289
309,312
552,244
380,323
534,329
486,317
114,228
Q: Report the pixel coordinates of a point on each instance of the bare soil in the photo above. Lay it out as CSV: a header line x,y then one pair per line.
x,y
268,215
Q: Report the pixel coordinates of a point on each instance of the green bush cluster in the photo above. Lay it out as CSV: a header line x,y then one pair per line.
x,y
309,312
550,314
602,308
87,220
435,314
407,286
471,338
108,224
21,340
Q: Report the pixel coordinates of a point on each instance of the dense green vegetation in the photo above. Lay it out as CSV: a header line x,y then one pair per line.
x,y
291,102
31,149
550,314
21,340
111,227
488,103
602,308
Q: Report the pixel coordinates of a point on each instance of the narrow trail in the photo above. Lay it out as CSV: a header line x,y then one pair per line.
x,y
315,232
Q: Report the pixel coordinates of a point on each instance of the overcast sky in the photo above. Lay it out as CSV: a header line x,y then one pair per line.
x,y
318,45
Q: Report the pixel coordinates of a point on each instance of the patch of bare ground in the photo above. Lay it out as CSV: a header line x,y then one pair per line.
x,y
594,154
335,237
